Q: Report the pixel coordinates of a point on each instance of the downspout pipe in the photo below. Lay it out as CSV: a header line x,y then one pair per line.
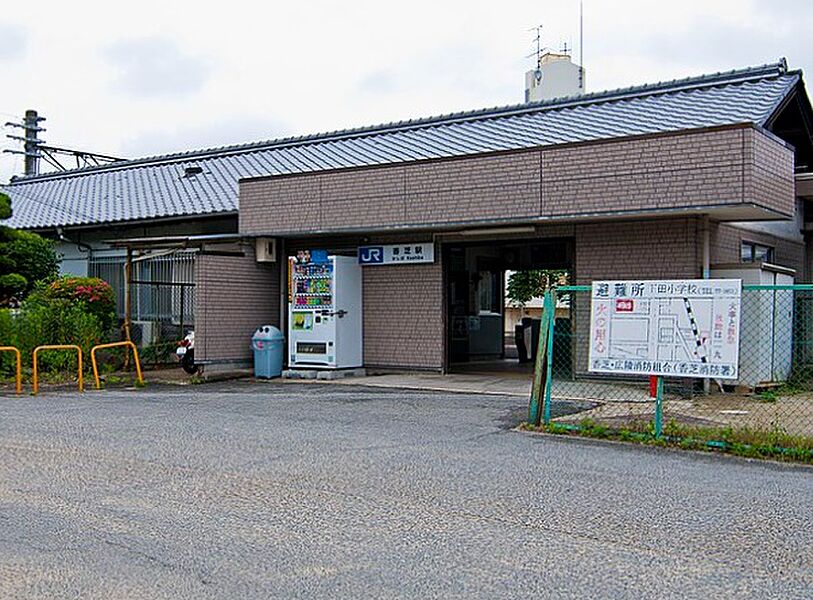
x,y
83,247
706,240
705,235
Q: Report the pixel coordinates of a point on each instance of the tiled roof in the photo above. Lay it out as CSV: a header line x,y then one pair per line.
x,y
157,187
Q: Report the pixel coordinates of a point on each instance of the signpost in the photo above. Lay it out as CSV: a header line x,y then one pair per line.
x,y
673,328
397,254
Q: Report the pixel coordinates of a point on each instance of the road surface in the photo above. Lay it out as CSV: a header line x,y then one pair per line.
x,y
239,490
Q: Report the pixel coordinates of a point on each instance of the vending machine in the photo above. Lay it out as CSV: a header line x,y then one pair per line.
x,y
324,312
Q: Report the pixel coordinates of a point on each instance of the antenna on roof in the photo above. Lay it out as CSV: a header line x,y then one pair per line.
x,y
539,48
581,45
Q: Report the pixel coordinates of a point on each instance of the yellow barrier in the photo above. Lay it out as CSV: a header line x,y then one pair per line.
x,y
19,366
115,345
35,377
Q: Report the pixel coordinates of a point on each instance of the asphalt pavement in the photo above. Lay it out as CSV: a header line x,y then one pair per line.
x,y
284,490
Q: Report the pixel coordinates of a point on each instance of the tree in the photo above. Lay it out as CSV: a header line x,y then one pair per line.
x,y
523,286
25,259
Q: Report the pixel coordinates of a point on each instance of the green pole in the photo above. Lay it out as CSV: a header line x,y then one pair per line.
x,y
550,299
537,392
659,409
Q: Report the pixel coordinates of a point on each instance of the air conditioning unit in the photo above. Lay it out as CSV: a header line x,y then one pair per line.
x,y
146,333
265,249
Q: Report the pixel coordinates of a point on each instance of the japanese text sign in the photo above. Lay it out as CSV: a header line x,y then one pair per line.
x,y
672,328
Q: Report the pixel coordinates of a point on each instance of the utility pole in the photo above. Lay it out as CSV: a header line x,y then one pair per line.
x,y
35,148
30,139
32,155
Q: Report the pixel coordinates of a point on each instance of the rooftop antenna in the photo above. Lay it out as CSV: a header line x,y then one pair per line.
x,y
538,40
581,45
540,49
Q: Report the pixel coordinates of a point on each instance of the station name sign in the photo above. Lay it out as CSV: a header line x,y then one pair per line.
x,y
673,328
397,254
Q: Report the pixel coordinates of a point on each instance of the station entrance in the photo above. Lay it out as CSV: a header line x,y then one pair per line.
x,y
493,300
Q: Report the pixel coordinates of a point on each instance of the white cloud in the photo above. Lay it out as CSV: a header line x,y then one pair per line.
x,y
178,75
156,66
228,130
13,40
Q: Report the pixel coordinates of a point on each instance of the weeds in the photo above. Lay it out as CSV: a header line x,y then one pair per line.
x,y
775,443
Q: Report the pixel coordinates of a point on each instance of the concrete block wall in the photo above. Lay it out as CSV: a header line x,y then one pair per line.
x,y
233,296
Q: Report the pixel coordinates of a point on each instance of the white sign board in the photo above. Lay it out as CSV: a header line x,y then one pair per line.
x,y
674,328
397,254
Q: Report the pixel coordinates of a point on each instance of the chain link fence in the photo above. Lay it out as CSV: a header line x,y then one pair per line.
x,y
770,404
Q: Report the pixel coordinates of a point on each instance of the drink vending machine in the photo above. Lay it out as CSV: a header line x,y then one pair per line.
x,y
324,312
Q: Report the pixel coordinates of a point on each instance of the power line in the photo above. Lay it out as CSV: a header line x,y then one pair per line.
x,y
14,190
35,149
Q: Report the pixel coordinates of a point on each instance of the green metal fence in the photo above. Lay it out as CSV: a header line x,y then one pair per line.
x,y
769,405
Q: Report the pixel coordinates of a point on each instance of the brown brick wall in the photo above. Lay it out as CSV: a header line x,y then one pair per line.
x,y
697,169
480,187
768,163
403,316
705,168
666,248
726,240
233,296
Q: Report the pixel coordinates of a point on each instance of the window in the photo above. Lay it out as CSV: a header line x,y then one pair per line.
x,y
752,252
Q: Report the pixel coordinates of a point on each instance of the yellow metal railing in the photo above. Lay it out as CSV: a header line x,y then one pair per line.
x,y
19,366
35,375
129,344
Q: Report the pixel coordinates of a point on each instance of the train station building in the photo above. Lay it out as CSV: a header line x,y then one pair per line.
x,y
669,180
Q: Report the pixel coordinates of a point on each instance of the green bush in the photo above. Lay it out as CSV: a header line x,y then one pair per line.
x,y
12,285
60,322
56,321
93,294
29,257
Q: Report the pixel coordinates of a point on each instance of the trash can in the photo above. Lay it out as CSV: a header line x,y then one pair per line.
x,y
268,344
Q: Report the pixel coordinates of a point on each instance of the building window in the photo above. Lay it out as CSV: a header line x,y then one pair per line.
x,y
752,252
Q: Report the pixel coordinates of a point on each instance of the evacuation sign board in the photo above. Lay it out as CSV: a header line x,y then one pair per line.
x,y
673,328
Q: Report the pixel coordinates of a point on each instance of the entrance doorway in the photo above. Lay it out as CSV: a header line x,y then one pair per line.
x,y
484,304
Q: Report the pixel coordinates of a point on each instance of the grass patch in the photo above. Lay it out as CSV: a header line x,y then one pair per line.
x,y
774,443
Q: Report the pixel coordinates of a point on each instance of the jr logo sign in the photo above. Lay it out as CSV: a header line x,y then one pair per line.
x,y
397,254
371,255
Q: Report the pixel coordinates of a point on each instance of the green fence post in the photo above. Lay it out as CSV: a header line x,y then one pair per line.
x,y
659,409
540,367
550,306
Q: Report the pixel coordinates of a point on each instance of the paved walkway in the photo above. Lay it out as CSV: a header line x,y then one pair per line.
x,y
281,490
490,383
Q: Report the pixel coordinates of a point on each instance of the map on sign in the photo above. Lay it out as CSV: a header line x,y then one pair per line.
x,y
674,328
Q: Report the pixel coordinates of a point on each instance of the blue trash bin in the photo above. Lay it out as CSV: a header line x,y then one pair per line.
x,y
268,344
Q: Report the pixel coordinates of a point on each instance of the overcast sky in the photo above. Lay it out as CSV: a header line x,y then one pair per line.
x,y
176,75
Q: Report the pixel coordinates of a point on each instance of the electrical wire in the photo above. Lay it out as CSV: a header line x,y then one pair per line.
x,y
14,190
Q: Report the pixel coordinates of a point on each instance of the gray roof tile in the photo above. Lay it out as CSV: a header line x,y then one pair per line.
x,y
156,186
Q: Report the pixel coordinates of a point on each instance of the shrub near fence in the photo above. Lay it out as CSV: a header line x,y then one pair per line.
x,y
67,311
767,411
